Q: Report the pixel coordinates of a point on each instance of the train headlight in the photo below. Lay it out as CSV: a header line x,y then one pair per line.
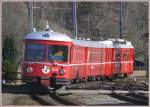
x,y
61,71
29,69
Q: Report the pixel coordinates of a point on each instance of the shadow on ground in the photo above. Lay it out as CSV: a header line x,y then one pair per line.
x,y
24,89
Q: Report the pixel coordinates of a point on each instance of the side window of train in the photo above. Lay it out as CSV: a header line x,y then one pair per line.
x,y
117,55
74,54
126,56
79,54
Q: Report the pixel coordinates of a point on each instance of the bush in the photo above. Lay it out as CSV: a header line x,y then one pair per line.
x,y
10,51
9,63
10,70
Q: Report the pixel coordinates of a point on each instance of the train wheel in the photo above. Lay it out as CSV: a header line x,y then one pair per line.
x,y
85,80
110,78
72,81
101,78
98,78
82,80
37,83
122,76
125,75
115,76
93,78
89,79
52,82
77,81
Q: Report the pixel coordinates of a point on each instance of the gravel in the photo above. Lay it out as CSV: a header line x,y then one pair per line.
x,y
21,99
96,99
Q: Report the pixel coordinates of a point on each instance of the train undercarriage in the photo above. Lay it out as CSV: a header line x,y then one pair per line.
x,y
59,82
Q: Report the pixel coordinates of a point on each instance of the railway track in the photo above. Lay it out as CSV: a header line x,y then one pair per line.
x,y
35,93
49,97
121,90
111,85
132,92
137,95
132,98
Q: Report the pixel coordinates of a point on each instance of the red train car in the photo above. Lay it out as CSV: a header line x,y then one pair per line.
x,y
55,59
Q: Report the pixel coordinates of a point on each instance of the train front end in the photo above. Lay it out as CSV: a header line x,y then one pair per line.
x,y
46,58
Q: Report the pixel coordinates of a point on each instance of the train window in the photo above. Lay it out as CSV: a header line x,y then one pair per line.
x,y
57,53
35,52
126,56
117,55
93,55
79,55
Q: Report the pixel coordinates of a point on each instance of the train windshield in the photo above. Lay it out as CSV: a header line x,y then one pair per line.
x,y
35,52
57,53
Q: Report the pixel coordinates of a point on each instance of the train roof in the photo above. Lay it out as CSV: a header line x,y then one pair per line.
x,y
89,43
103,44
55,36
118,43
48,35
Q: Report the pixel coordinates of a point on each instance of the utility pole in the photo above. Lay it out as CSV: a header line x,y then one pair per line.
x,y
120,21
30,11
75,19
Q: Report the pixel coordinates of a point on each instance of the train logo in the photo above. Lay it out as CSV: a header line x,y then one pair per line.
x,y
46,69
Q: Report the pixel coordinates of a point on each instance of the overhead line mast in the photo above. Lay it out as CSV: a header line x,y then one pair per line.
x,y
30,10
75,19
120,21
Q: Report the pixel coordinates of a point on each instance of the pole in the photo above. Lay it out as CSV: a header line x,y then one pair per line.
x,y
31,26
75,19
120,22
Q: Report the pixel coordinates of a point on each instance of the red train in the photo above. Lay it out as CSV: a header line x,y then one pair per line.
x,y
55,59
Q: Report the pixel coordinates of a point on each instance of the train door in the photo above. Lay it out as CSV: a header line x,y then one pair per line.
x,y
117,60
86,61
101,61
92,61
108,62
131,59
125,67
71,62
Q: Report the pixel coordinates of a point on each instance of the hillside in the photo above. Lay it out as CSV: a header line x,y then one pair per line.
x,y
97,20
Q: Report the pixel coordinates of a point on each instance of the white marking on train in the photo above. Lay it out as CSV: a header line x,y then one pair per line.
x,y
102,63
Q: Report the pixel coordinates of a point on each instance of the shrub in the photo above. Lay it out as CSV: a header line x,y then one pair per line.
x,y
9,63
10,70
9,51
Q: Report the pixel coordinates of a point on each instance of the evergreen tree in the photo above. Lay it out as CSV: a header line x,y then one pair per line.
x,y
9,63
